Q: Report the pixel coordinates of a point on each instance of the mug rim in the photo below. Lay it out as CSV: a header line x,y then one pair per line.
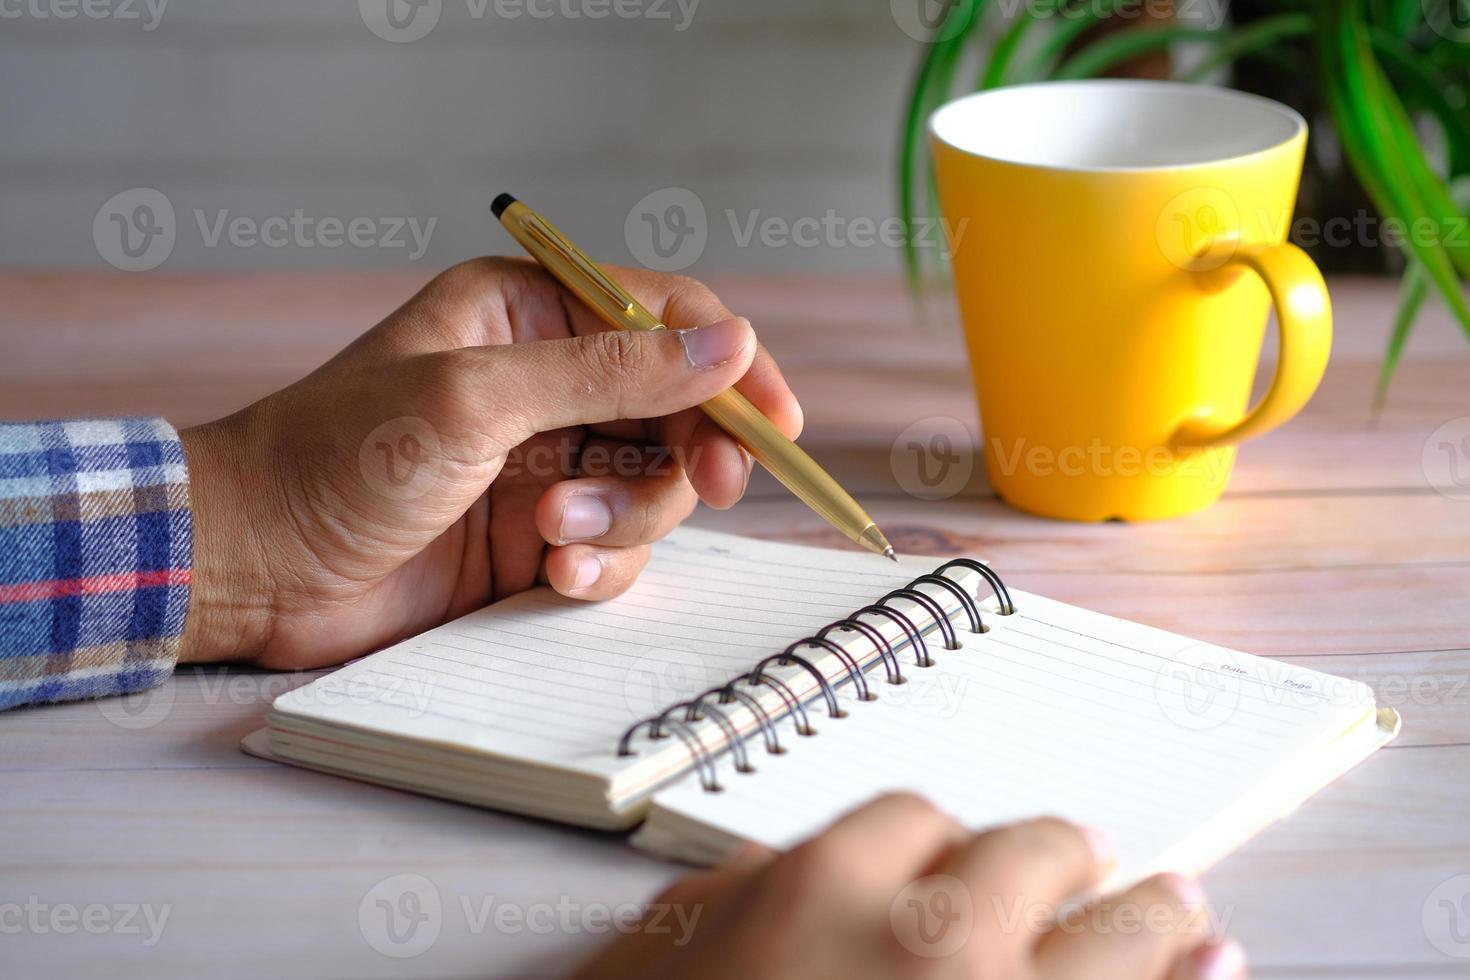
x,y
1215,93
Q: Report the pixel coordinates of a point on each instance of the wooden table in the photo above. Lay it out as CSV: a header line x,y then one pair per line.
x,y
1330,549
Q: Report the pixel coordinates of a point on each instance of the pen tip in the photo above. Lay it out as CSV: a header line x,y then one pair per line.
x,y
498,206
873,539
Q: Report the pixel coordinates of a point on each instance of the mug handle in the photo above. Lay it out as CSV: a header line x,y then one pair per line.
x,y
1303,322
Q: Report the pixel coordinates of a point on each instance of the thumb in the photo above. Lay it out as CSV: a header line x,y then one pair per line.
x,y
612,375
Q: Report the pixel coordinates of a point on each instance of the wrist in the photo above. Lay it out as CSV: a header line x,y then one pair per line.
x,y
231,599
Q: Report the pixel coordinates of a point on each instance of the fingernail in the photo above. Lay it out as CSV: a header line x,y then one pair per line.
x,y
584,516
749,465
711,346
1224,960
1101,845
1191,896
589,570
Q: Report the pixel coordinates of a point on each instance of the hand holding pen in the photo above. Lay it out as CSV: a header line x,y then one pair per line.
x,y
730,410
489,436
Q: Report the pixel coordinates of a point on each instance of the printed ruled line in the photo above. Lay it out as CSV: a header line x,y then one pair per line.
x,y
555,694
744,629
766,565
1118,677
419,710
684,602
1249,678
662,636
546,639
773,573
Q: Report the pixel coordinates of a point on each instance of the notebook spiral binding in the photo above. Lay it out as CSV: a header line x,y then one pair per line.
x,y
700,708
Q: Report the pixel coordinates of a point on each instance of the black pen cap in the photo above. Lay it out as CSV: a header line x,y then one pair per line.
x,y
498,206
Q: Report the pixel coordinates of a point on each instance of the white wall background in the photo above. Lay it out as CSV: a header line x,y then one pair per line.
x,y
254,109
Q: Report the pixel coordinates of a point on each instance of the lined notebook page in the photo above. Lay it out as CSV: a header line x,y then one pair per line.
x,y
1056,710
556,681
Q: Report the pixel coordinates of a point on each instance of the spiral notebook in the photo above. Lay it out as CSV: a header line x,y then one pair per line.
x,y
750,691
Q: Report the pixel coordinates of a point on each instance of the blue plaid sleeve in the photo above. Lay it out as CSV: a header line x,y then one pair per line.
x,y
95,557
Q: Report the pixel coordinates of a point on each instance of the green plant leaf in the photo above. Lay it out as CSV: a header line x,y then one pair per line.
x,y
1071,24
1352,83
1427,193
1262,34
909,152
1112,50
1427,187
1005,49
1375,152
1429,88
931,85
1405,16
1412,290
1400,18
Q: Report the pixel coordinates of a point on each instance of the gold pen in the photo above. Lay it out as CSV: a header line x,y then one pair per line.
x,y
730,409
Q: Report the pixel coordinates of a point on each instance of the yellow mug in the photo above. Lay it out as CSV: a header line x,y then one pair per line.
x,y
1116,246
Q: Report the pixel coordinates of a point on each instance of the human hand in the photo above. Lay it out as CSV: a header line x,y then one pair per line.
x,y
898,889
489,435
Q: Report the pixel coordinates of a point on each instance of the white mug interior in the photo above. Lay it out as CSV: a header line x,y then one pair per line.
x,y
1114,124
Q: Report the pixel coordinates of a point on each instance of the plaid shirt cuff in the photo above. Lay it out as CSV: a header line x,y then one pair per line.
x,y
95,557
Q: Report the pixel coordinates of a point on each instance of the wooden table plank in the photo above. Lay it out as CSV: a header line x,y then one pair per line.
x,y
1353,919
263,871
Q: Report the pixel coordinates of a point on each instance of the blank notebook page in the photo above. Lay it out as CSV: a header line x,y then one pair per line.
x,y
1150,736
557,681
